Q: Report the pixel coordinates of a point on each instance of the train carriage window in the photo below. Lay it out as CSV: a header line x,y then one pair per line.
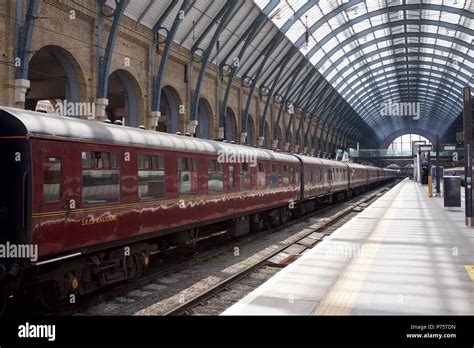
x,y
261,177
245,184
274,178
100,178
51,179
102,160
295,175
285,175
187,176
114,162
215,177
86,159
151,177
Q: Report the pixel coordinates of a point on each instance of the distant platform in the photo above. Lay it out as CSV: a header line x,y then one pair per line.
x,y
404,255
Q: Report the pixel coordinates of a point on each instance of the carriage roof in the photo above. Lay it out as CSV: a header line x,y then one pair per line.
x,y
18,122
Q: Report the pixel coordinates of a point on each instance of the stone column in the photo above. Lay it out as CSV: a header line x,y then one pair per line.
x,y
275,144
21,86
155,119
101,104
220,132
243,137
192,126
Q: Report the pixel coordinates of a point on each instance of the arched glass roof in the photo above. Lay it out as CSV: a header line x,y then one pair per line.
x,y
268,62
378,52
340,62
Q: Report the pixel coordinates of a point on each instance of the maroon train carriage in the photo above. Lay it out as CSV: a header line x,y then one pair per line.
x,y
322,180
389,174
359,177
99,199
83,191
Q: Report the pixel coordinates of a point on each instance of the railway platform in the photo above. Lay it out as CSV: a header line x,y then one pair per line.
x,y
404,255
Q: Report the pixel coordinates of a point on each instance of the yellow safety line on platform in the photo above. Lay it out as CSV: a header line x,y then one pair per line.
x,y
343,295
470,271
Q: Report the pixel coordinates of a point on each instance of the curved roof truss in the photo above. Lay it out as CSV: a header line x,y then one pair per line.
x,y
375,51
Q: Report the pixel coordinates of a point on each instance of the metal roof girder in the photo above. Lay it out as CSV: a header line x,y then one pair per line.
x,y
24,37
267,51
106,58
374,13
251,32
223,18
271,92
158,80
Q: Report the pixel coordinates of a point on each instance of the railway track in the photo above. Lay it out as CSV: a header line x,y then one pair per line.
x,y
228,284
165,266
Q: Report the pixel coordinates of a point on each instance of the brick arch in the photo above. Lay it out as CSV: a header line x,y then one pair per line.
x,y
171,103
134,102
251,132
52,57
230,130
205,118
267,142
280,137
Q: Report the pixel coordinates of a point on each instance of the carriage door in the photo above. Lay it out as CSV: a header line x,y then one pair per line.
x,y
52,192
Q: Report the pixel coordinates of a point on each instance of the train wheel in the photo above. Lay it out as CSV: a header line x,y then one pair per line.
x,y
135,265
47,298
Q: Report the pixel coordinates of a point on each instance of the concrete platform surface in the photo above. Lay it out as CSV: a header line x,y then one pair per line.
x,y
404,255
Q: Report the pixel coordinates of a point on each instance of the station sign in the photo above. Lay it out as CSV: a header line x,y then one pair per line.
x,y
449,147
426,148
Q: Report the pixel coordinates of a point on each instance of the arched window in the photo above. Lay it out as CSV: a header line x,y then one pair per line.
x,y
403,145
